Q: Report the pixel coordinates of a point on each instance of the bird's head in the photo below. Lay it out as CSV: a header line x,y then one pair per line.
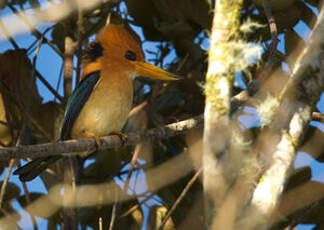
x,y
115,44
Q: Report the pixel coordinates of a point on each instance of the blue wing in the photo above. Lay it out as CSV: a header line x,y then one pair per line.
x,y
76,102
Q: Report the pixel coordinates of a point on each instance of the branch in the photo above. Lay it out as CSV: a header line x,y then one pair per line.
x,y
273,30
75,146
219,78
181,196
88,144
5,181
296,102
272,60
318,116
70,46
49,87
268,192
23,16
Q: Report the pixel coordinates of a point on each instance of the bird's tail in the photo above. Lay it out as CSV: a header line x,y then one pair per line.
x,y
35,167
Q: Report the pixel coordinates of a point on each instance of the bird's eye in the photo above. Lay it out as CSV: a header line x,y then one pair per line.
x,y
130,55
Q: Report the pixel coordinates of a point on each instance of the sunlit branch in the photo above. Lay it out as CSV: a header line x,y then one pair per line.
x,y
295,110
218,89
22,15
54,13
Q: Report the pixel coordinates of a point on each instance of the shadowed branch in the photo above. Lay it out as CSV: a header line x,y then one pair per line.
x,y
88,144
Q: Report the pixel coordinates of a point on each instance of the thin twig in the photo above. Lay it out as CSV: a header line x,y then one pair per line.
x,y
273,28
40,77
137,108
113,214
70,213
5,181
268,67
132,209
79,63
31,47
108,18
179,199
33,29
49,87
100,223
59,80
79,44
36,55
133,112
22,133
131,168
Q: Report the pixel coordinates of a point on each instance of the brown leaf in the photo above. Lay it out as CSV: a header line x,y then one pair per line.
x,y
18,86
145,15
5,135
170,18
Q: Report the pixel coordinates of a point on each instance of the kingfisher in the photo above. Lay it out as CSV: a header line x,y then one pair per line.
x,y
101,102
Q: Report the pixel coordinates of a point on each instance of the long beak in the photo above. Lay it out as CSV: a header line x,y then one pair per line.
x,y
152,71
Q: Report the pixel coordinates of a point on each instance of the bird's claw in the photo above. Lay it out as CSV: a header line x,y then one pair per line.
x,y
123,137
96,138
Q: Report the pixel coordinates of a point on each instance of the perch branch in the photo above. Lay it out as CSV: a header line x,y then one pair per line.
x,y
88,144
5,182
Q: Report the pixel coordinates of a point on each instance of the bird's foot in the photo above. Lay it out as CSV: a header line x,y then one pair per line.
x,y
121,135
89,134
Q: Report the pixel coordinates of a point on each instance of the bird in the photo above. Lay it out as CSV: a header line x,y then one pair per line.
x,y
102,100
